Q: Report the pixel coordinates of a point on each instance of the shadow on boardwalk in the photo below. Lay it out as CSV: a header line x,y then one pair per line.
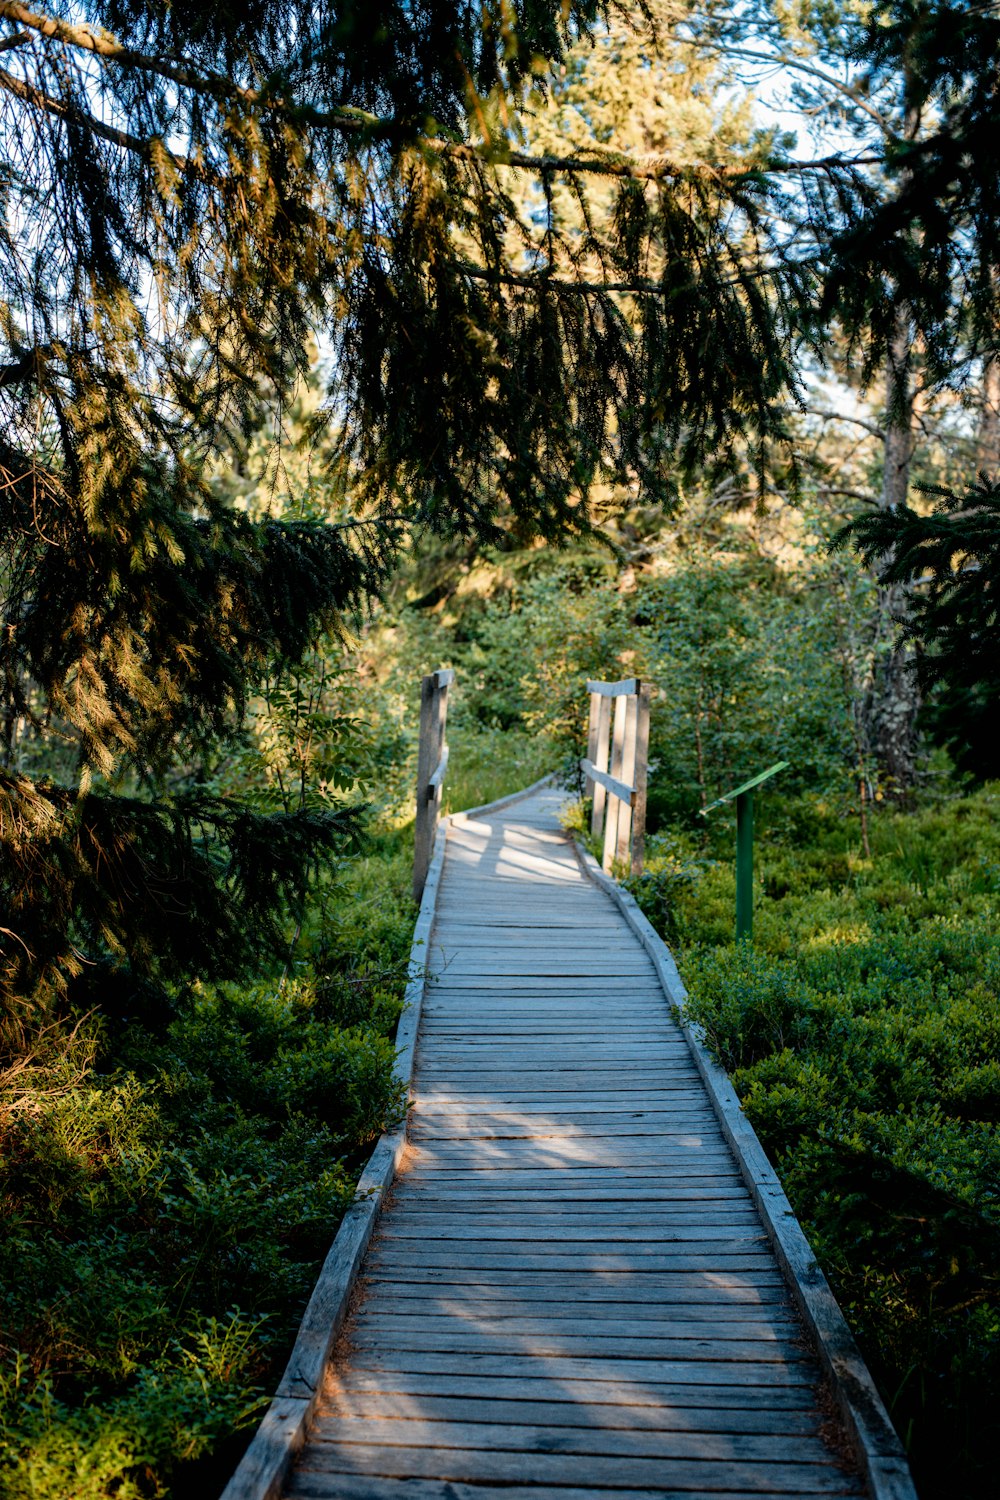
x,y
571,1291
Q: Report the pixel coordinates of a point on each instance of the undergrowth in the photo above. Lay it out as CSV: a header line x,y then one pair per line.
x,y
862,1034
168,1195
168,1198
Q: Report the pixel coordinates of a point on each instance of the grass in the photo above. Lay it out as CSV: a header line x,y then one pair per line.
x,y
485,764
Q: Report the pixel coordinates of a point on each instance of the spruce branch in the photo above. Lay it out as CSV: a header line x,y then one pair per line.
x,y
373,128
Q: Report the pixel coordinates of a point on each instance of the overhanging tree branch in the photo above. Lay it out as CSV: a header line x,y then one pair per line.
x,y
371,127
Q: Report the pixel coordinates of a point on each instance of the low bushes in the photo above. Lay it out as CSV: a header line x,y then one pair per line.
x,y
862,1033
168,1199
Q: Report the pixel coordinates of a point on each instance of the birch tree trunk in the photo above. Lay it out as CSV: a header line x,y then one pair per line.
x,y
893,697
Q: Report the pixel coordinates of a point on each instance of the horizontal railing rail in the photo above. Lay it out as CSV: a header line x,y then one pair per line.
x,y
621,789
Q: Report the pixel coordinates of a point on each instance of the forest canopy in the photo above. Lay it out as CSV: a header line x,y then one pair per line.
x,y
307,305
191,192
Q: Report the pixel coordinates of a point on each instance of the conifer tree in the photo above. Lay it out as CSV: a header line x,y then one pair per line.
x,y
950,561
907,276
187,192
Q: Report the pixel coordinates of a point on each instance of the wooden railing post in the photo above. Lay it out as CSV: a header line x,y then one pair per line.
x,y
640,777
615,805
432,763
600,758
618,779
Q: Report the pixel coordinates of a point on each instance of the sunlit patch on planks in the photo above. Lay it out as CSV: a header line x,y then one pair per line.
x,y
571,1291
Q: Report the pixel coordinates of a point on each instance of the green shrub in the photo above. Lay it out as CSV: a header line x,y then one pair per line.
x,y
862,1033
165,1218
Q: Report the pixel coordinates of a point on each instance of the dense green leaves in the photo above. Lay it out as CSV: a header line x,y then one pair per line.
x,y
954,552
168,1195
929,240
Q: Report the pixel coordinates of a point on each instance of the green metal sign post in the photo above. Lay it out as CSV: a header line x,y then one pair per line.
x,y
743,797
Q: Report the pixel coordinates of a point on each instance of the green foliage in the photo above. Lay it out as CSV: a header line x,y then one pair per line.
x,y
750,666
176,1409
862,1032
929,242
168,1198
751,658
952,556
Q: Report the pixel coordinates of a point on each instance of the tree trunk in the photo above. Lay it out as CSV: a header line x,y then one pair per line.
x,y
988,444
893,698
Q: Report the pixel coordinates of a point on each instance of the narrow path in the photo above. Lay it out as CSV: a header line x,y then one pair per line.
x,y
571,1292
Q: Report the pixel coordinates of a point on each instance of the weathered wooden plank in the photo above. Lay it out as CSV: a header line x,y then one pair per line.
x,y
541,1224
446,1023
537,942
650,1287
718,1255
679,1103
542,1155
465,1300
387,1321
576,1056
607,1388
641,1238
557,1072
475,1465
538,1097
567,1305
311,1485
604,1416
421,1431
433,1338
432,1214
592,1204
589,1205
539,1123
688,1370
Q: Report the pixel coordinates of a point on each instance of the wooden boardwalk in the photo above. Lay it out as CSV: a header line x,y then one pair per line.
x,y
570,1292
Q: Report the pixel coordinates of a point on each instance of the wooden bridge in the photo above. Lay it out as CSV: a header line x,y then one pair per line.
x,y
585,1281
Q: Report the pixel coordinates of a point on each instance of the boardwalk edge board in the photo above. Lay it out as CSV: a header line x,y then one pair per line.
x,y
265,1465
878,1448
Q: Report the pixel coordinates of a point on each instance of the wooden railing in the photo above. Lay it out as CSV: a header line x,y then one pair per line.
x,y
616,767
432,763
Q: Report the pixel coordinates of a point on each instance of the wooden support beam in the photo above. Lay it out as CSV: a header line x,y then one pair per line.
x,y
432,763
628,776
623,689
639,779
600,761
615,803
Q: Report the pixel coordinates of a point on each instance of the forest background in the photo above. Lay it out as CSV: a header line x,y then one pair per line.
x,y
224,575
